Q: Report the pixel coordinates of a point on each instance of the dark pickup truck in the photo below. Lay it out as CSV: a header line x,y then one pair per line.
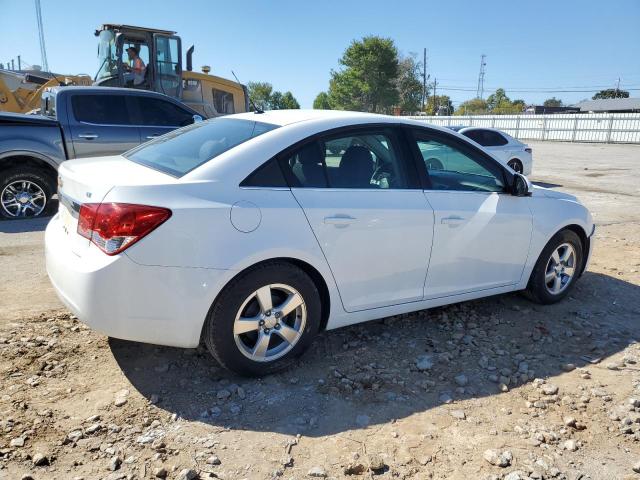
x,y
76,122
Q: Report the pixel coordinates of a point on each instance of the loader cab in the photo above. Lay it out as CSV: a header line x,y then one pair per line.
x,y
160,50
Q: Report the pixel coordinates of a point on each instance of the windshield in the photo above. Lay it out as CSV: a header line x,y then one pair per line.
x,y
181,151
107,64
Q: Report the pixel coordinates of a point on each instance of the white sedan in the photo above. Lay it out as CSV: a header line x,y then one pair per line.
x,y
253,232
504,147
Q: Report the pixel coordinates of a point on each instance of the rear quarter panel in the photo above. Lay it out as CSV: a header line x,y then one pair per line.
x,y
201,231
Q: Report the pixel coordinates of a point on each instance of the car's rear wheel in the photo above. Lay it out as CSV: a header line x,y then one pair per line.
x,y
24,192
557,268
516,165
264,319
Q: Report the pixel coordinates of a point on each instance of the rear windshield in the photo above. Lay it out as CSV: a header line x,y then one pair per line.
x,y
180,151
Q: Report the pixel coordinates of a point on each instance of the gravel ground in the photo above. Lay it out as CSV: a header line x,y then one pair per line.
x,y
498,388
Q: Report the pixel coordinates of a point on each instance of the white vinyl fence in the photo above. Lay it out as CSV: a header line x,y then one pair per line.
x,y
596,127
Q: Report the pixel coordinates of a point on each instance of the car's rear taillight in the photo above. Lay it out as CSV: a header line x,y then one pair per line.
x,y
528,150
114,227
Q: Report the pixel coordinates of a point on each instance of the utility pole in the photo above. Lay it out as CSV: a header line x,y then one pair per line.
x,y
424,79
435,97
43,50
483,63
617,87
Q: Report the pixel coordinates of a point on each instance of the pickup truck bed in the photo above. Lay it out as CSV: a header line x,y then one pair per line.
x,y
78,122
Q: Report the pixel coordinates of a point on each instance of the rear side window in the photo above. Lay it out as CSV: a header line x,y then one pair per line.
x,y
100,109
161,113
494,139
180,151
267,175
360,159
486,138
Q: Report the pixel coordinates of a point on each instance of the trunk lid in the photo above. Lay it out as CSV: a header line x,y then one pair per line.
x,y
88,180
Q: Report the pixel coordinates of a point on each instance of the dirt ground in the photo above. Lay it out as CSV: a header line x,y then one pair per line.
x,y
498,388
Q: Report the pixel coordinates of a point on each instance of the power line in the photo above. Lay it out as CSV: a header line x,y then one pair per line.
x,y
514,90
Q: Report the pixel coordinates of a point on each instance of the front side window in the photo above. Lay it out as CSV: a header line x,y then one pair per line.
x,y
100,109
450,167
181,151
160,113
369,160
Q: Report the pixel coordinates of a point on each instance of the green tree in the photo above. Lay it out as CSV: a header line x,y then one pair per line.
x,y
475,106
287,101
611,93
497,99
322,102
409,84
367,80
552,102
499,103
439,105
262,95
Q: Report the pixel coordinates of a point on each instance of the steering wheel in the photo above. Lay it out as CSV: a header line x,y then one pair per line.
x,y
433,164
383,174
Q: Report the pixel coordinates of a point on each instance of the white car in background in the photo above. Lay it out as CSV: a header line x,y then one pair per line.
x,y
253,232
504,147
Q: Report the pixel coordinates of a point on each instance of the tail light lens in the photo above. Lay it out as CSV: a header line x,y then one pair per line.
x,y
114,227
528,150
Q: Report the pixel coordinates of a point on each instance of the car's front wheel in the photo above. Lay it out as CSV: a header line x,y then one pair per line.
x,y
557,268
264,319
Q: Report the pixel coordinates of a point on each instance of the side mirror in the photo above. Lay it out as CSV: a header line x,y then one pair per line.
x,y
197,119
521,186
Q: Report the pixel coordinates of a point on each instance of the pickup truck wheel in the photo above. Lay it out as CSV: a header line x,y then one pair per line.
x,y
24,192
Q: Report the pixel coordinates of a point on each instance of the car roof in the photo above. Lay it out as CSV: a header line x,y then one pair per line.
x,y
116,90
289,117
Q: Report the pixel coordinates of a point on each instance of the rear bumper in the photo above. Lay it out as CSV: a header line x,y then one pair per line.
x,y
126,300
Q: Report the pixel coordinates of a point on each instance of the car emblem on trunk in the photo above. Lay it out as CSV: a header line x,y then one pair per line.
x,y
88,194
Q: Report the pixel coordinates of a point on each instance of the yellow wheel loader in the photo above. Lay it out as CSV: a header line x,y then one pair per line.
x,y
162,71
21,92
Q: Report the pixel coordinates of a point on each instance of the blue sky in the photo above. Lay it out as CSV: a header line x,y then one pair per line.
x,y
535,45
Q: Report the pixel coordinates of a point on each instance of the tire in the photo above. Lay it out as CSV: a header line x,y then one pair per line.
x,y
516,165
26,182
232,347
543,284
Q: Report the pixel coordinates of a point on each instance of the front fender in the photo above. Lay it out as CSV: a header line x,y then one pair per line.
x,y
551,215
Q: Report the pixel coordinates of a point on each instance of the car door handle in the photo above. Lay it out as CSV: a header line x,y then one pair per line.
x,y
452,220
88,136
155,135
339,220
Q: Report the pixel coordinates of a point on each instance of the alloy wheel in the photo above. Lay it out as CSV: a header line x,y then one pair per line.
x,y
23,198
561,268
270,322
